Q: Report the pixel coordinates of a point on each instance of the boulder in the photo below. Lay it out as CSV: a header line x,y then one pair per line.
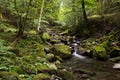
x,y
41,76
116,66
46,67
65,75
85,51
61,50
100,53
46,36
50,56
115,59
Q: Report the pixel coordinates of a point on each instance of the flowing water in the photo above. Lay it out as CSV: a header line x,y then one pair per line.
x,y
103,69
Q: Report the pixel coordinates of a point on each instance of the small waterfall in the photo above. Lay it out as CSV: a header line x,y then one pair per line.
x,y
75,52
78,56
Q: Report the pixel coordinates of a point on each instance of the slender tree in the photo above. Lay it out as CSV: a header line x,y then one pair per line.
x,y
40,16
84,11
23,21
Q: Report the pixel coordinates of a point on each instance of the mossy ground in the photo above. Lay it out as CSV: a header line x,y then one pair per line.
x,y
26,60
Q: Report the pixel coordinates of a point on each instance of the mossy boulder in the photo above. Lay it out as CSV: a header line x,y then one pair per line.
x,y
50,57
45,67
41,67
46,36
61,50
4,75
100,53
41,76
65,75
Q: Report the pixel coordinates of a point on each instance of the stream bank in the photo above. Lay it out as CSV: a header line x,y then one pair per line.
x,y
48,57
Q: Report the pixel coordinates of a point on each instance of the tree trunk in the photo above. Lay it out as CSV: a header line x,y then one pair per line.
x,y
40,16
22,23
73,10
84,12
1,17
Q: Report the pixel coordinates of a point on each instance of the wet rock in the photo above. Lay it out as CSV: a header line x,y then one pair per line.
x,y
85,52
85,76
81,50
115,59
116,66
62,50
84,71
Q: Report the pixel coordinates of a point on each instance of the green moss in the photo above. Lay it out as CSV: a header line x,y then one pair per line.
x,y
16,69
100,52
29,68
8,75
40,50
28,58
62,50
41,67
41,76
46,36
58,58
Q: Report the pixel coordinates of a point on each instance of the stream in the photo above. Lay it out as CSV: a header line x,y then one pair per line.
x,y
86,68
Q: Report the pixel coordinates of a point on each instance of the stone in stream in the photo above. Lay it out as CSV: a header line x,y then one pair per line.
x,y
116,66
84,71
62,50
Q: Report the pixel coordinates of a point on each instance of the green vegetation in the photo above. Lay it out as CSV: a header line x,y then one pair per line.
x,y
37,36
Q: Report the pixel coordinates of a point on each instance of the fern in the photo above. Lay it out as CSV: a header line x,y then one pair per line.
x,y
4,51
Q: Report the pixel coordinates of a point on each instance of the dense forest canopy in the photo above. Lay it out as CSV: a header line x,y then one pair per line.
x,y
68,13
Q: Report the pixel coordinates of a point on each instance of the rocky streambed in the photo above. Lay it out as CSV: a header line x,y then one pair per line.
x,y
90,69
91,60
86,68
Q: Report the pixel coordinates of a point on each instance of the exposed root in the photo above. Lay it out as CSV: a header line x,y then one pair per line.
x,y
15,41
